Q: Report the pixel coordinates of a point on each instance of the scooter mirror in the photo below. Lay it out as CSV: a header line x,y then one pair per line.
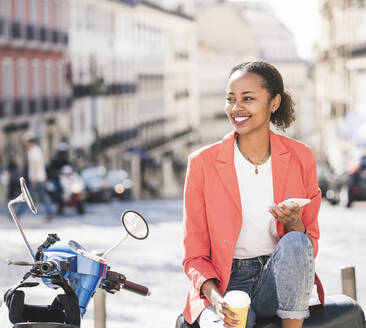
x,y
27,196
135,224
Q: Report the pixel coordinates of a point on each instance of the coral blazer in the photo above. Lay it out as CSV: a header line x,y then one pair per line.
x,y
213,211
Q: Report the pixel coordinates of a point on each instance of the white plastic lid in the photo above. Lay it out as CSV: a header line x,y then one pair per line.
x,y
237,299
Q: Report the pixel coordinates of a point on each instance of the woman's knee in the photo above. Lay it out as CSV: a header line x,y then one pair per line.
x,y
294,251
295,243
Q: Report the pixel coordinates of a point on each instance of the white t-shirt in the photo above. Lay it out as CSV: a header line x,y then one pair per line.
x,y
258,235
36,166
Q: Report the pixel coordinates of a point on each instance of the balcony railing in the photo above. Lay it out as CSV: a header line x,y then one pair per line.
x,y
19,31
43,34
85,90
4,28
160,140
16,30
1,109
116,138
32,32
21,106
6,107
25,106
34,105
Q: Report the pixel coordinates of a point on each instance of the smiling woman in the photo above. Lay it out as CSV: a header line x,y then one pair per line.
x,y
266,90
236,237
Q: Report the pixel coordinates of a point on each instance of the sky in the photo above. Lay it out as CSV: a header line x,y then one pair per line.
x,y
302,19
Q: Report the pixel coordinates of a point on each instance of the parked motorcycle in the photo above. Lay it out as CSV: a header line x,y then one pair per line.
x,y
69,192
69,266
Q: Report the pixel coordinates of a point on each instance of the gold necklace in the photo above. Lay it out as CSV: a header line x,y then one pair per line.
x,y
258,163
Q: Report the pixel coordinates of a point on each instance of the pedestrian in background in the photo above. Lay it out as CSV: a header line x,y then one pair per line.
x,y
37,173
13,180
60,160
235,236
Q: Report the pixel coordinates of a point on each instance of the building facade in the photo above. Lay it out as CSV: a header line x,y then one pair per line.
x,y
132,72
101,52
34,91
262,37
341,79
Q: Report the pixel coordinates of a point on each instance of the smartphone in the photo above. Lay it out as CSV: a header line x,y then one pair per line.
x,y
290,202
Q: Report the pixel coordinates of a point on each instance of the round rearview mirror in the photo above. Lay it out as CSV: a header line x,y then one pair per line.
x,y
135,224
27,196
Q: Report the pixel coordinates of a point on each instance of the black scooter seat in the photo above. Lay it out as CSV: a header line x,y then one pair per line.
x,y
43,325
339,311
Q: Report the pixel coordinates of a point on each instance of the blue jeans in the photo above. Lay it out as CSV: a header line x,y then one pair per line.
x,y
41,191
280,284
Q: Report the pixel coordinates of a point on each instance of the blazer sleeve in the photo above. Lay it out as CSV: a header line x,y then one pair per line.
x,y
196,260
311,211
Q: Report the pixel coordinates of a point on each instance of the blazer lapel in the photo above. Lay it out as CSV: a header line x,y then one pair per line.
x,y
281,158
226,169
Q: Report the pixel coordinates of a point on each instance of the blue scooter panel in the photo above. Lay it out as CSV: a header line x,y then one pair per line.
x,y
85,271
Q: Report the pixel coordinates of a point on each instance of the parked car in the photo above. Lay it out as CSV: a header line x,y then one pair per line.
x,y
325,176
121,184
336,185
97,186
349,186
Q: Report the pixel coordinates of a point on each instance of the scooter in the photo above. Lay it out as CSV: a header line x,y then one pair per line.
x,y
73,189
68,266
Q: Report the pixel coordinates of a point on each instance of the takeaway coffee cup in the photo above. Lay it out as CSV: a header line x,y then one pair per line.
x,y
239,303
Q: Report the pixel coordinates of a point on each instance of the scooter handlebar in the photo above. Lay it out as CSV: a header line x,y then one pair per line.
x,y
120,279
136,288
47,266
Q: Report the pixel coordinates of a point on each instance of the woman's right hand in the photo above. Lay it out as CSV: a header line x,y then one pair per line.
x,y
212,293
225,314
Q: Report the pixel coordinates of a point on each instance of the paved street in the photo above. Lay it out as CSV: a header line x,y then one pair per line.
x,y
156,261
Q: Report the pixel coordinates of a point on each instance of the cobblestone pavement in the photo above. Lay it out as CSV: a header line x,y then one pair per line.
x,y
156,261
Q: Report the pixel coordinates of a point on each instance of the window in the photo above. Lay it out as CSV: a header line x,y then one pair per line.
x,y
58,13
48,78
60,80
33,11
22,78
8,85
112,24
19,10
45,13
8,81
22,83
82,119
35,79
5,13
89,18
5,8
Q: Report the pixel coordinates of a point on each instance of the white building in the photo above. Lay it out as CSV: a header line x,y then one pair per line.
x,y
341,80
134,92
168,96
219,26
231,33
102,42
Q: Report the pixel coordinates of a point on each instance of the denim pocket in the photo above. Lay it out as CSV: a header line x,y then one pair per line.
x,y
244,274
245,269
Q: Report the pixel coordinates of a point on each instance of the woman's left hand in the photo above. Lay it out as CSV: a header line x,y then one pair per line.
x,y
289,217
